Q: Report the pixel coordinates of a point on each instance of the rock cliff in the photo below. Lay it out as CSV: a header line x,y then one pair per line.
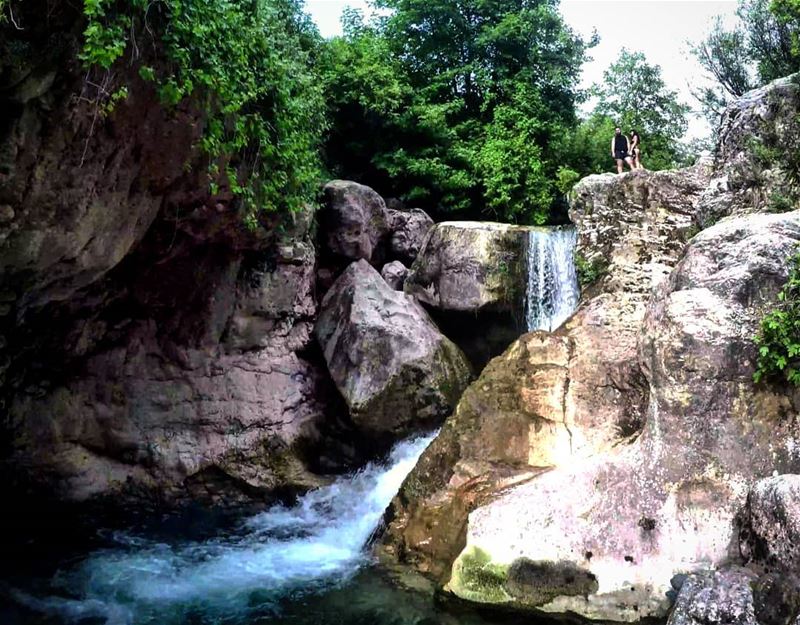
x,y
154,349
588,470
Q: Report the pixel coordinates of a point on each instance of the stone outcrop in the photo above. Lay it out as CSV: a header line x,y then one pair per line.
x,y
354,222
394,273
553,398
756,167
631,435
394,368
668,501
409,228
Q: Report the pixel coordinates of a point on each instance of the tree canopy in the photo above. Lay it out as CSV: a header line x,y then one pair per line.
x,y
484,90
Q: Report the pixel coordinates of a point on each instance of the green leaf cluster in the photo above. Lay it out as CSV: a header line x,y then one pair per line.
x,y
588,271
765,46
248,65
778,339
458,106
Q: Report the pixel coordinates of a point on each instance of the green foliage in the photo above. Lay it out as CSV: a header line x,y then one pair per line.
x,y
788,14
778,340
779,202
456,106
566,179
588,145
249,67
589,271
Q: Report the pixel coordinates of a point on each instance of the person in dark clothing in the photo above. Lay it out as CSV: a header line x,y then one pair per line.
x,y
620,149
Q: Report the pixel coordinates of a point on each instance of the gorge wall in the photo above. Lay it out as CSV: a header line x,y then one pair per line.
x,y
156,351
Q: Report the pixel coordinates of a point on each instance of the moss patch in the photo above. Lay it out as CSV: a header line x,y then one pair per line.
x,y
476,578
526,582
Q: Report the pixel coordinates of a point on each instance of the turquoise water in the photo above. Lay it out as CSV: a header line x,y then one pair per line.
x,y
301,564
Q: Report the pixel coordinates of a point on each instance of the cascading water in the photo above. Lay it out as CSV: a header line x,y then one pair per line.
x,y
552,293
283,551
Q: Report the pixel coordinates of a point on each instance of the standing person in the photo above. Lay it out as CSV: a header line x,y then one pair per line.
x,y
636,150
620,149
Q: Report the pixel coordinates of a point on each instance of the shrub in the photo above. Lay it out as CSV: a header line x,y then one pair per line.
x,y
778,340
589,271
248,65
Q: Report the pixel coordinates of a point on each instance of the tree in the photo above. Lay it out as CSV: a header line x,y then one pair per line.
x,y
763,48
487,86
720,55
788,14
769,40
633,94
366,91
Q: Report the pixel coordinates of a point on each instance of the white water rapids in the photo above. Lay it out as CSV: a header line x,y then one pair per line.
x,y
320,540
553,292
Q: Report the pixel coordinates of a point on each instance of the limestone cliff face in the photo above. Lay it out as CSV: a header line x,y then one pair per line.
x,y
152,346
586,468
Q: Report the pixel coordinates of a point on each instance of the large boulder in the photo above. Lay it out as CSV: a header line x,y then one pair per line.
x,y
394,368
408,231
553,398
773,523
354,222
473,277
468,266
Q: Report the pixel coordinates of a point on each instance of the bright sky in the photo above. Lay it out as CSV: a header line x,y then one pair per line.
x,y
658,28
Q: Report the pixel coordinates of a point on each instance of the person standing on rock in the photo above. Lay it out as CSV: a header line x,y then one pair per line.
x,y
620,149
636,150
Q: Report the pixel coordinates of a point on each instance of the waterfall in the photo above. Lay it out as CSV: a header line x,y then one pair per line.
x,y
552,293
284,551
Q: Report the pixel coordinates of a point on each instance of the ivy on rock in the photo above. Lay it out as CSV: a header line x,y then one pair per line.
x,y
248,65
778,340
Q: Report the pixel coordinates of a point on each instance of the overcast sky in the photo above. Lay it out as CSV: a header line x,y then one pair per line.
x,y
658,28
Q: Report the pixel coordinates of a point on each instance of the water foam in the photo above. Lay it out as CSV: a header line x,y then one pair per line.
x,y
284,550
